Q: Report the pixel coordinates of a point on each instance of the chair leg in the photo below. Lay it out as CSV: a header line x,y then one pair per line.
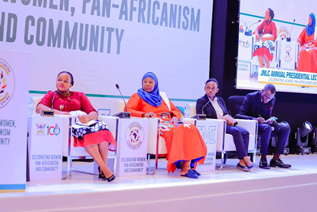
x,y
225,158
252,157
156,153
69,168
222,160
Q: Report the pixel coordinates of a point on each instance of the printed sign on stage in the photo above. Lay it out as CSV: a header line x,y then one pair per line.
x,y
208,130
46,146
132,147
14,86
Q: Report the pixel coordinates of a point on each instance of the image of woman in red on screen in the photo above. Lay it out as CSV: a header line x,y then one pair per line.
x,y
266,34
308,54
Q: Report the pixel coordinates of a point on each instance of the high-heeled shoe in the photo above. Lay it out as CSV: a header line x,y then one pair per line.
x,y
103,177
111,178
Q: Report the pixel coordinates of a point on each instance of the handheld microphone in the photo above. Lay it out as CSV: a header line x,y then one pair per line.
x,y
290,32
248,33
125,114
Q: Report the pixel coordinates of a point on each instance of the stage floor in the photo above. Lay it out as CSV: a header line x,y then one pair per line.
x,y
305,165
83,183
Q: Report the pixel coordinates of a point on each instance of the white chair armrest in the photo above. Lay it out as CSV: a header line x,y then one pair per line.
x,y
189,121
153,136
250,125
119,107
221,132
111,122
192,108
36,100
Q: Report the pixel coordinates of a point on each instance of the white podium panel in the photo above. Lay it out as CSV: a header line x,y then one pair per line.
x,y
288,56
132,147
208,130
14,86
45,146
244,52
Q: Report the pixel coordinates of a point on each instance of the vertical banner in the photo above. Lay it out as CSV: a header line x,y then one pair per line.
x,y
208,130
14,87
45,146
132,147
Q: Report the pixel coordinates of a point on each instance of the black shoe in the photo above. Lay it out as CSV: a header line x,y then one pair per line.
x,y
279,163
101,175
111,178
263,164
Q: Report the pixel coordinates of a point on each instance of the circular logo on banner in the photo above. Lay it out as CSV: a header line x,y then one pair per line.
x,y
288,53
134,135
7,83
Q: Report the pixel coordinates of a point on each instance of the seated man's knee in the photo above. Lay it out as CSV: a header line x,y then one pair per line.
x,y
245,132
285,126
235,132
267,128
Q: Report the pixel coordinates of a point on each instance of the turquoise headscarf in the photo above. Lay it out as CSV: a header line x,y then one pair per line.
x,y
311,29
154,97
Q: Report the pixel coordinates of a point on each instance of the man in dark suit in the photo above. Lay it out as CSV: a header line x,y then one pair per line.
x,y
215,107
259,106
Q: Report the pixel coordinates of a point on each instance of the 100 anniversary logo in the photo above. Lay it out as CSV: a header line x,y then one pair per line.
x,y
7,83
134,135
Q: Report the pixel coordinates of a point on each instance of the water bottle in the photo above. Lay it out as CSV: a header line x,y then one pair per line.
x,y
30,106
187,111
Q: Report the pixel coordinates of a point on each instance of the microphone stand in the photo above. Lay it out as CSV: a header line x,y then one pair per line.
x,y
289,38
201,116
125,114
247,33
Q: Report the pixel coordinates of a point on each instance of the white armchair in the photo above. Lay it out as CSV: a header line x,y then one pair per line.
x,y
72,152
225,142
156,143
275,63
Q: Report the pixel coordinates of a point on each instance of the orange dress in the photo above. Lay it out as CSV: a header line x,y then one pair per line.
x,y
183,142
307,61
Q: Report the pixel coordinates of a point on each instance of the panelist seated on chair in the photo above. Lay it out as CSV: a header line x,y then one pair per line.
x,y
266,35
307,55
215,108
95,137
184,144
259,106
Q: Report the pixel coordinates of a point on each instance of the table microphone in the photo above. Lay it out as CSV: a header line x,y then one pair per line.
x,y
289,37
202,110
201,116
247,33
125,114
